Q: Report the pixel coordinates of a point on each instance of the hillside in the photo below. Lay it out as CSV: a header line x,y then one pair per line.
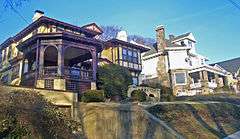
x,y
213,120
122,121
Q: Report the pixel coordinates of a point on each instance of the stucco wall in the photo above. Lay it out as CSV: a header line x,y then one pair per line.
x,y
177,59
149,67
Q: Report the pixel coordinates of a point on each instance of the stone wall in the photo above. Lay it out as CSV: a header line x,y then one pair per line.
x,y
121,121
63,99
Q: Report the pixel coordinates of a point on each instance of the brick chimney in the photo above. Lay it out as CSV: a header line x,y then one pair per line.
x,y
37,15
160,34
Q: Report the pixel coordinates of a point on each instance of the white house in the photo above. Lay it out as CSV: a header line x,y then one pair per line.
x,y
174,62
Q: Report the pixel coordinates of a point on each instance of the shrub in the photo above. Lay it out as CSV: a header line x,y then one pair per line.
x,y
166,94
139,95
224,89
93,96
114,80
28,115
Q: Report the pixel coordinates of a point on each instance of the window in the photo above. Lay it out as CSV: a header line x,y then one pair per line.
x,y
129,55
190,43
182,43
190,62
135,57
202,61
180,78
124,54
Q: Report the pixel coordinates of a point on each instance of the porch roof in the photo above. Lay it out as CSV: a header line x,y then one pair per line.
x,y
62,35
210,69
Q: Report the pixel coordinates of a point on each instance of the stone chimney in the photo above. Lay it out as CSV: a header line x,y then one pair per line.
x,y
162,70
160,34
37,15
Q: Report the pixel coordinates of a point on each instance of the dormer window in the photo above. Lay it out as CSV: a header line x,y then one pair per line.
x,y
190,43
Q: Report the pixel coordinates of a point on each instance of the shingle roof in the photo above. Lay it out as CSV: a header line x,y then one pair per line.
x,y
232,65
181,36
153,48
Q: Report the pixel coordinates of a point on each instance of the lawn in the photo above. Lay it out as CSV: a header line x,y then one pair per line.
x,y
203,121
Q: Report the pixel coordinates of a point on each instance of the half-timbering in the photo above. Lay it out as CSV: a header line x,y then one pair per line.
x,y
52,54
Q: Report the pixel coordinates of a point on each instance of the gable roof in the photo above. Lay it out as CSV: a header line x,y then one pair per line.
x,y
93,27
117,41
232,65
188,35
153,48
45,19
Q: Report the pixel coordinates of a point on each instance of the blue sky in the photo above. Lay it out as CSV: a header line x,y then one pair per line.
x,y
214,23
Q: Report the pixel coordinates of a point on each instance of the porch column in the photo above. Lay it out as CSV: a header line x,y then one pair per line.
x,y
204,82
216,77
94,66
60,60
41,59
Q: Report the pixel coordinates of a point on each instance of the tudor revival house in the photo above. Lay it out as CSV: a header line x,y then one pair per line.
x,y
127,54
52,54
175,63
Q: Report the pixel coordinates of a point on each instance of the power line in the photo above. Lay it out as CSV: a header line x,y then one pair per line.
x,y
18,13
235,4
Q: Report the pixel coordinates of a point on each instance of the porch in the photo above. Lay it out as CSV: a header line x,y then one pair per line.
x,y
207,77
60,65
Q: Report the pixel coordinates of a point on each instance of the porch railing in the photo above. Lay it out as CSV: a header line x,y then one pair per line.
x,y
68,73
76,73
199,85
50,71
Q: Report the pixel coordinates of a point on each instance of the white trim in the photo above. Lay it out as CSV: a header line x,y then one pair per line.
x,y
152,56
210,69
177,48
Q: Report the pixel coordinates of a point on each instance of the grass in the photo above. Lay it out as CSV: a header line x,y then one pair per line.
x,y
215,120
229,98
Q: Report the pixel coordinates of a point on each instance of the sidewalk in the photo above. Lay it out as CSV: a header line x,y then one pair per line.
x,y
234,136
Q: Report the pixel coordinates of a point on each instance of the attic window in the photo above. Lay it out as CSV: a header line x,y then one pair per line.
x,y
190,43
182,43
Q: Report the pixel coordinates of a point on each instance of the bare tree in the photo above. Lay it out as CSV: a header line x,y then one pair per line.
x,y
13,5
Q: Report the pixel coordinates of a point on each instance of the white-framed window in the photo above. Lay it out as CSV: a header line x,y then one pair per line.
x,y
180,78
